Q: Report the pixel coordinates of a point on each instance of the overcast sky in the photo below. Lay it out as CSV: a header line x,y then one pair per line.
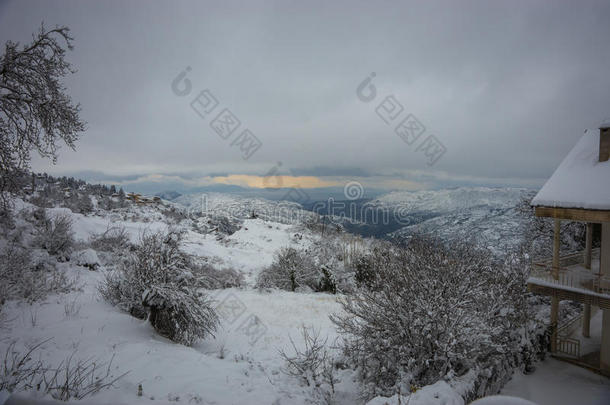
x,y
507,88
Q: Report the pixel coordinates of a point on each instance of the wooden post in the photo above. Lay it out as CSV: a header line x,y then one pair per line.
x,y
588,245
586,313
555,300
556,245
604,269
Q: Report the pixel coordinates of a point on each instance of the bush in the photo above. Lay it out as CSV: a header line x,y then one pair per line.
x,y
291,270
223,278
29,278
312,366
113,239
179,313
328,283
157,281
70,380
432,311
365,275
55,235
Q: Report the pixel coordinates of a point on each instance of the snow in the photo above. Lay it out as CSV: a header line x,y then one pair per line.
x,y
241,364
229,369
86,257
502,400
250,249
550,282
439,393
580,181
559,383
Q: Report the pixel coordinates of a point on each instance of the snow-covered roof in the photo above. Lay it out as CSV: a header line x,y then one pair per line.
x,y
581,180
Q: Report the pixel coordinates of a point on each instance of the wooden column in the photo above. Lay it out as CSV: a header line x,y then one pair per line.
x,y
604,269
586,313
555,300
588,245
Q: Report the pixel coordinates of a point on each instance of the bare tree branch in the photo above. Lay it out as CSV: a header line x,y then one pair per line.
x,y
36,113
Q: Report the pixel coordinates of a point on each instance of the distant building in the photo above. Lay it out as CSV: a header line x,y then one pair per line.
x,y
579,190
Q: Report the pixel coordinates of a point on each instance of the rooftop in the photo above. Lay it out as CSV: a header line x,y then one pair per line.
x,y
580,181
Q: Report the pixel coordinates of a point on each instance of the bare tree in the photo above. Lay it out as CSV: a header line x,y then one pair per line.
x,y
35,110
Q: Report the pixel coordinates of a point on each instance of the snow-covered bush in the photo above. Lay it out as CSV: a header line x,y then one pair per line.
x,y
55,234
160,281
328,281
28,276
79,202
312,365
71,379
223,278
292,269
86,258
434,311
180,313
174,215
113,239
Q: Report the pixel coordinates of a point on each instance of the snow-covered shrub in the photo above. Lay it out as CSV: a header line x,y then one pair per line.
x,y
435,311
113,239
157,280
312,365
292,269
78,202
180,313
86,258
55,234
174,215
29,276
328,282
223,278
364,275
71,379
224,225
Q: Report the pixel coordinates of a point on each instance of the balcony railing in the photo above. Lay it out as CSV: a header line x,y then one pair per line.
x,y
571,274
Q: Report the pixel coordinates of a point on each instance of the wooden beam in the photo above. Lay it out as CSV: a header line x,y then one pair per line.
x,y
574,214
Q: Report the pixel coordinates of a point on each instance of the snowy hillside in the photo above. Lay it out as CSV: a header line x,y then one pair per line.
x,y
236,366
452,199
242,363
237,207
488,217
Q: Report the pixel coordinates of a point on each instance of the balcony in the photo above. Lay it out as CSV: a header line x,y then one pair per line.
x,y
571,280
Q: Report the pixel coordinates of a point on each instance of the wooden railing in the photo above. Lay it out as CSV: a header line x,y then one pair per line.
x,y
568,346
580,278
566,328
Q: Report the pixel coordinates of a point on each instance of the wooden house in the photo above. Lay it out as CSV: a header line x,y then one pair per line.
x,y
579,190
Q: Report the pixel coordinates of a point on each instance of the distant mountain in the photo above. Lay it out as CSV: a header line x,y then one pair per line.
x,y
168,195
487,217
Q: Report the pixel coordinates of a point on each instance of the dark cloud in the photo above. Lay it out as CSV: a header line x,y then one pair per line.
x,y
508,87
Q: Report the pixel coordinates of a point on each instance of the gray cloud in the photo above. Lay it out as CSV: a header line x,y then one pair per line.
x,y
507,87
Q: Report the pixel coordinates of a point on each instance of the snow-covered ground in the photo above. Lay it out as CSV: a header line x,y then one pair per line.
x,y
559,383
241,364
